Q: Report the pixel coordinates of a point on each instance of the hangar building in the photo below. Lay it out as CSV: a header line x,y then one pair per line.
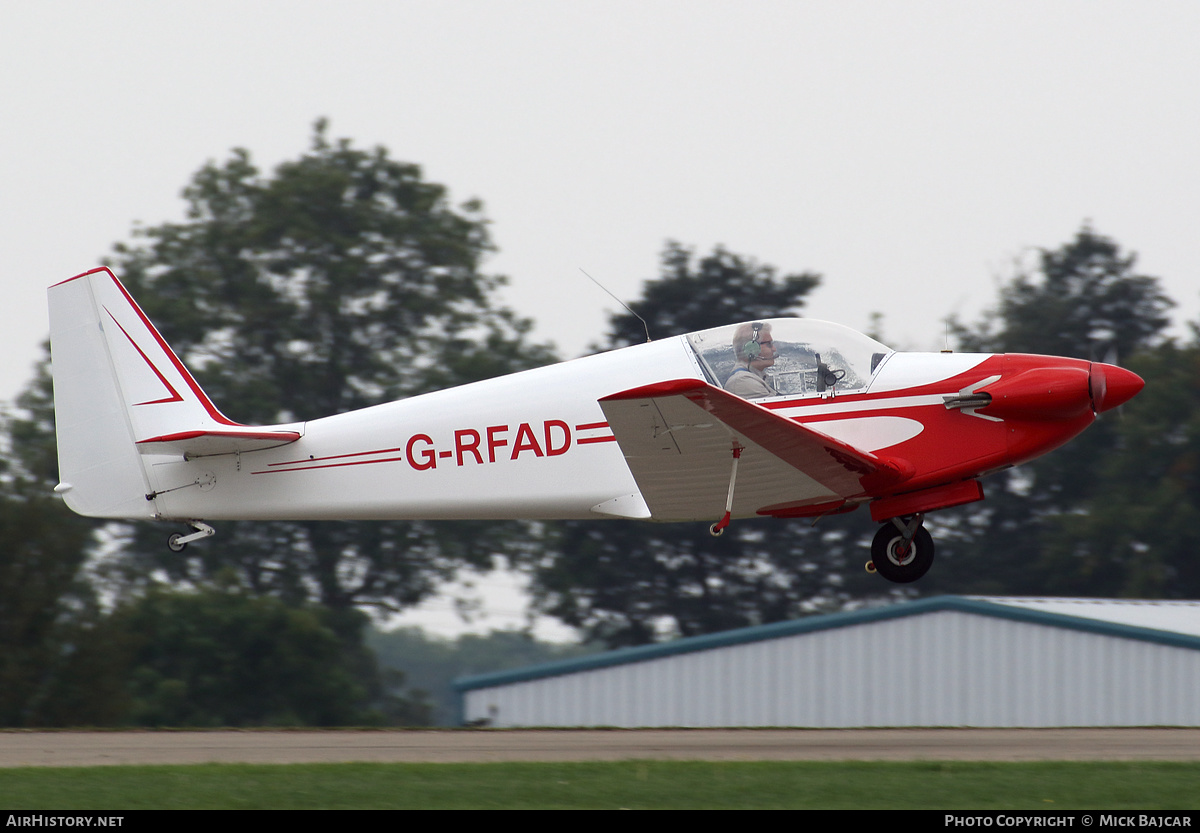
x,y
945,661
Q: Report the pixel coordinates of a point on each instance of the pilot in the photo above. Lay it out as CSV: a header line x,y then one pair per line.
x,y
754,351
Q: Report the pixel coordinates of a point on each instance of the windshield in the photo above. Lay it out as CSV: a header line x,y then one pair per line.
x,y
794,356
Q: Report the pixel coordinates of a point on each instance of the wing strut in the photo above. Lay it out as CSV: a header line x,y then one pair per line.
x,y
719,527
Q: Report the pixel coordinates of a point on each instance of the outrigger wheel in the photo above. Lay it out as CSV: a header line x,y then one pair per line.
x,y
902,550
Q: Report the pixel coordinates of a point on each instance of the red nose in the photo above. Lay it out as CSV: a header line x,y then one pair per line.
x,y
1112,386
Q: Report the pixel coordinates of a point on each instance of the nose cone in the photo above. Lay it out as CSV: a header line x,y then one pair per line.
x,y
1112,386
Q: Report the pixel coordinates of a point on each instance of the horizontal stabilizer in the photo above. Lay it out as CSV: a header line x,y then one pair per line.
x,y
678,438
192,444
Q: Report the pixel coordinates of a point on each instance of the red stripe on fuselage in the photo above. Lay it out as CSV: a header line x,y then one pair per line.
x,y
333,457
332,465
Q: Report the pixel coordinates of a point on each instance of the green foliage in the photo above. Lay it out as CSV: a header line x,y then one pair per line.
x,y
341,281
431,664
721,288
47,617
32,446
627,583
1137,531
48,609
1085,300
223,658
1064,523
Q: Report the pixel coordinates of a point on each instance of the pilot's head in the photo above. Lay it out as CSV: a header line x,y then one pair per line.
x,y
753,345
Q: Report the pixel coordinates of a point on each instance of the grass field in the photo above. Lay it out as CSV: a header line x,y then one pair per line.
x,y
631,784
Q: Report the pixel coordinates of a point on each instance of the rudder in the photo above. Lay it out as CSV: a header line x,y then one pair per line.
x,y
100,470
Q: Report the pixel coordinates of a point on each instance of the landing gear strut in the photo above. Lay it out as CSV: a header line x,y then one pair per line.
x,y
902,550
719,527
178,543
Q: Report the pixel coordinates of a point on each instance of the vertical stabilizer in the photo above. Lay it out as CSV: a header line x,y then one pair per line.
x,y
124,404
120,394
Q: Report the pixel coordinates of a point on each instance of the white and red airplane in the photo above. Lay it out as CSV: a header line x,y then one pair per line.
x,y
827,420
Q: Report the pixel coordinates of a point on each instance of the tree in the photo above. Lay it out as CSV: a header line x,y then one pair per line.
x,y
46,612
342,280
627,583
720,289
431,664
48,609
1137,532
1087,301
220,657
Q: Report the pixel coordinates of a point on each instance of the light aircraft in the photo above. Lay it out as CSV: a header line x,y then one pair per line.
x,y
828,420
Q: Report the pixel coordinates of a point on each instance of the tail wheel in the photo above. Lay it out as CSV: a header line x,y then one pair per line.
x,y
900,561
175,545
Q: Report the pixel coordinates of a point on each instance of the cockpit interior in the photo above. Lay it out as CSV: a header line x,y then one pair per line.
x,y
789,357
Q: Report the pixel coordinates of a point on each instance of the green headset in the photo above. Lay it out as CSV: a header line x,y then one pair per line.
x,y
752,348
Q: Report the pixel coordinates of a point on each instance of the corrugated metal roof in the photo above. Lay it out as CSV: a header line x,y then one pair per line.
x,y
1173,616
1086,616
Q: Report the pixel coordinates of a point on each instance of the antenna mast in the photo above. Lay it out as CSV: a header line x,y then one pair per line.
x,y
622,303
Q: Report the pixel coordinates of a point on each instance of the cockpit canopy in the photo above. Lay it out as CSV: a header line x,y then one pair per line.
x,y
810,357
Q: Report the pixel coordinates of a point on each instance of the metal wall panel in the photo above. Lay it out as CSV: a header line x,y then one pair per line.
x,y
943,668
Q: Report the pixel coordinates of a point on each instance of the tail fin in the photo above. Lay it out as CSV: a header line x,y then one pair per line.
x,y
121,393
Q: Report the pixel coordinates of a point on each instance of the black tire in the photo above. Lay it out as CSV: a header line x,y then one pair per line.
x,y
894,567
173,544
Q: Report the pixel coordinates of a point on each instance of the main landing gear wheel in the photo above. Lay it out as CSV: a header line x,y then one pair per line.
x,y
900,561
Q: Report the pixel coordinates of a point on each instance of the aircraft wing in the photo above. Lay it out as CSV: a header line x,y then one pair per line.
x,y
206,443
678,439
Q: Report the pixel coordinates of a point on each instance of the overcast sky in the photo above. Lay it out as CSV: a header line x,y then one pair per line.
x,y
910,152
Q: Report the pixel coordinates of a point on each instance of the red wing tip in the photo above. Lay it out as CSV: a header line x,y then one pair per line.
x,y
674,387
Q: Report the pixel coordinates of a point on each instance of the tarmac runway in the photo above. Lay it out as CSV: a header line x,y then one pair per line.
x,y
72,748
